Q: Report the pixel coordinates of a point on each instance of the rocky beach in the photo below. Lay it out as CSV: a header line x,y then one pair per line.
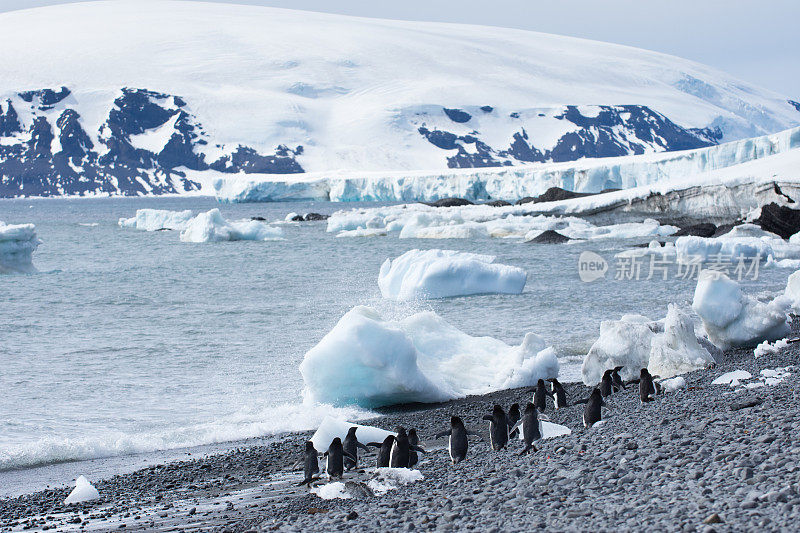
x,y
704,457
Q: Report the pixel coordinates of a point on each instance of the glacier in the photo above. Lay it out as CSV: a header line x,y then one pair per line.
x,y
643,178
213,227
17,244
370,361
732,318
421,274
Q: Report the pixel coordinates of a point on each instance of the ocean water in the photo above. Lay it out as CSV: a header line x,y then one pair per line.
x,y
129,341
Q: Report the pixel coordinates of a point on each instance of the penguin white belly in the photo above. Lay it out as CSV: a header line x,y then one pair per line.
x,y
392,453
450,447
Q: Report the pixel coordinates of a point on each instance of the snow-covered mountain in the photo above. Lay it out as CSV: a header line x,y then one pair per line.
x,y
159,97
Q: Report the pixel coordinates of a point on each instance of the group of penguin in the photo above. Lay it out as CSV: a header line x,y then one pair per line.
x,y
400,451
396,451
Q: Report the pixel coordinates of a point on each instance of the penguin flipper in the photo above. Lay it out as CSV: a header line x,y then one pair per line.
x,y
487,417
416,448
633,381
514,434
375,444
349,456
358,444
444,433
516,427
584,400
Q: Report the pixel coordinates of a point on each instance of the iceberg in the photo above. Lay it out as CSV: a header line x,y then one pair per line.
x,y
17,244
212,227
157,219
370,361
420,274
746,241
84,491
666,348
732,318
792,291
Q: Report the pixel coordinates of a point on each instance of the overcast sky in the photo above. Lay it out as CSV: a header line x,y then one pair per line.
x,y
757,41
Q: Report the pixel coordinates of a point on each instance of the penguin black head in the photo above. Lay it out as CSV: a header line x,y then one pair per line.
x,y
644,373
514,408
401,431
618,368
412,433
498,411
337,442
310,446
607,373
352,431
455,421
530,408
540,383
596,393
389,439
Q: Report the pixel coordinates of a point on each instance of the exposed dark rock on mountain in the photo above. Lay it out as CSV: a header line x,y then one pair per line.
x,y
449,202
498,203
703,229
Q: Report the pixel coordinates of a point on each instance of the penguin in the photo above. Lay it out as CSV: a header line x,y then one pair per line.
x,y
413,440
593,411
513,418
531,427
607,384
457,443
399,457
559,394
351,446
336,454
498,428
647,387
616,380
311,464
540,394
385,450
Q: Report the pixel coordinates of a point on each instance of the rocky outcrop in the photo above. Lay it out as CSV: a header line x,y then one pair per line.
x,y
778,219
549,237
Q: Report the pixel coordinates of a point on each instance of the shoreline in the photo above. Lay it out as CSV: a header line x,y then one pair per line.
x,y
674,441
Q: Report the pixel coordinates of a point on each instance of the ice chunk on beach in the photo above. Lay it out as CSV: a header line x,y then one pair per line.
x,y
676,350
17,244
729,378
666,348
387,479
330,428
673,384
626,343
83,492
157,219
329,491
370,361
732,318
767,348
792,291
443,273
212,227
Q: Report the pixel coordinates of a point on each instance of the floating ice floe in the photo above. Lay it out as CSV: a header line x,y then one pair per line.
x,y
387,479
665,348
732,318
157,219
330,428
370,361
83,492
444,273
746,241
767,348
420,221
212,227
17,244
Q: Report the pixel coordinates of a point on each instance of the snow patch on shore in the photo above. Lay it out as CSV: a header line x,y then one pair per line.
x,y
387,479
420,274
370,361
17,244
